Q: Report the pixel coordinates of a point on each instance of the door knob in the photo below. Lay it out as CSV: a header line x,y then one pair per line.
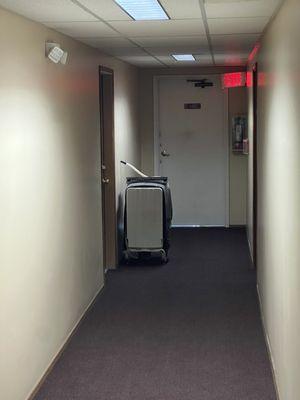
x,y
105,180
164,153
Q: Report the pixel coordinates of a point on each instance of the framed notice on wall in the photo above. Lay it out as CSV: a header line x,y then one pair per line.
x,y
239,133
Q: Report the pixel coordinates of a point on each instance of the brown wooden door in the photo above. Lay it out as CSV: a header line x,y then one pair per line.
x,y
255,89
106,80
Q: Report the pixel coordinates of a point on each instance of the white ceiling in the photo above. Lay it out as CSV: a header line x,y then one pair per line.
x,y
217,32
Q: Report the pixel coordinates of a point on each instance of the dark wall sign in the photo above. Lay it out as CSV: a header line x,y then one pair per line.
x,y
192,106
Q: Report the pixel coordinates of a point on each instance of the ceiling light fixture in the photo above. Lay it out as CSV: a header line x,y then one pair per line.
x,y
141,10
183,57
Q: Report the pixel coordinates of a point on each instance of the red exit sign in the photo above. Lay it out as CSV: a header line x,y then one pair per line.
x,y
234,79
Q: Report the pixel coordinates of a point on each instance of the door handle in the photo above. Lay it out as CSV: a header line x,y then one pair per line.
x,y
164,153
105,180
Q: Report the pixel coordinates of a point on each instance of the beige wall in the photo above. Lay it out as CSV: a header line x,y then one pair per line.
x,y
279,194
237,104
50,210
127,135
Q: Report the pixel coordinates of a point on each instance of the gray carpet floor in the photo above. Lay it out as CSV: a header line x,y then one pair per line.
x,y
188,330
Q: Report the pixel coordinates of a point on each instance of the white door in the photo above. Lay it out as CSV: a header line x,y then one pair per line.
x,y
193,149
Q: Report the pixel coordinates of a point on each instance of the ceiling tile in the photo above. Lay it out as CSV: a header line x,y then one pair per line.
x,y
111,42
115,46
182,9
160,28
231,59
164,41
48,11
204,59
83,29
233,43
223,26
125,51
168,59
249,8
106,9
141,60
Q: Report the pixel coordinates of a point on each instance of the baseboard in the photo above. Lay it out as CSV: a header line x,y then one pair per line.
x,y
268,345
62,348
211,226
199,226
250,249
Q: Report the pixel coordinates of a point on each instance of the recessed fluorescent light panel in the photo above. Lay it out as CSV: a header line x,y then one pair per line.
x,y
184,57
143,9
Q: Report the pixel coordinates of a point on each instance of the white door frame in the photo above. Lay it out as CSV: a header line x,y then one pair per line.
x,y
156,141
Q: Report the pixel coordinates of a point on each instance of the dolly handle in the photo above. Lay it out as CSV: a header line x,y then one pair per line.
x,y
134,169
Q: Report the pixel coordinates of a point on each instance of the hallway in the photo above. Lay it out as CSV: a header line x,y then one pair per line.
x,y
201,97
188,330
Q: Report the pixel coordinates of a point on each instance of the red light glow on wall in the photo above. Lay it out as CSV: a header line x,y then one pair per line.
x,y
249,79
254,52
234,79
262,79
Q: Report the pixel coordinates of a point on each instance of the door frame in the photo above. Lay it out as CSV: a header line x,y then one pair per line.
x,y
104,70
157,134
255,174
